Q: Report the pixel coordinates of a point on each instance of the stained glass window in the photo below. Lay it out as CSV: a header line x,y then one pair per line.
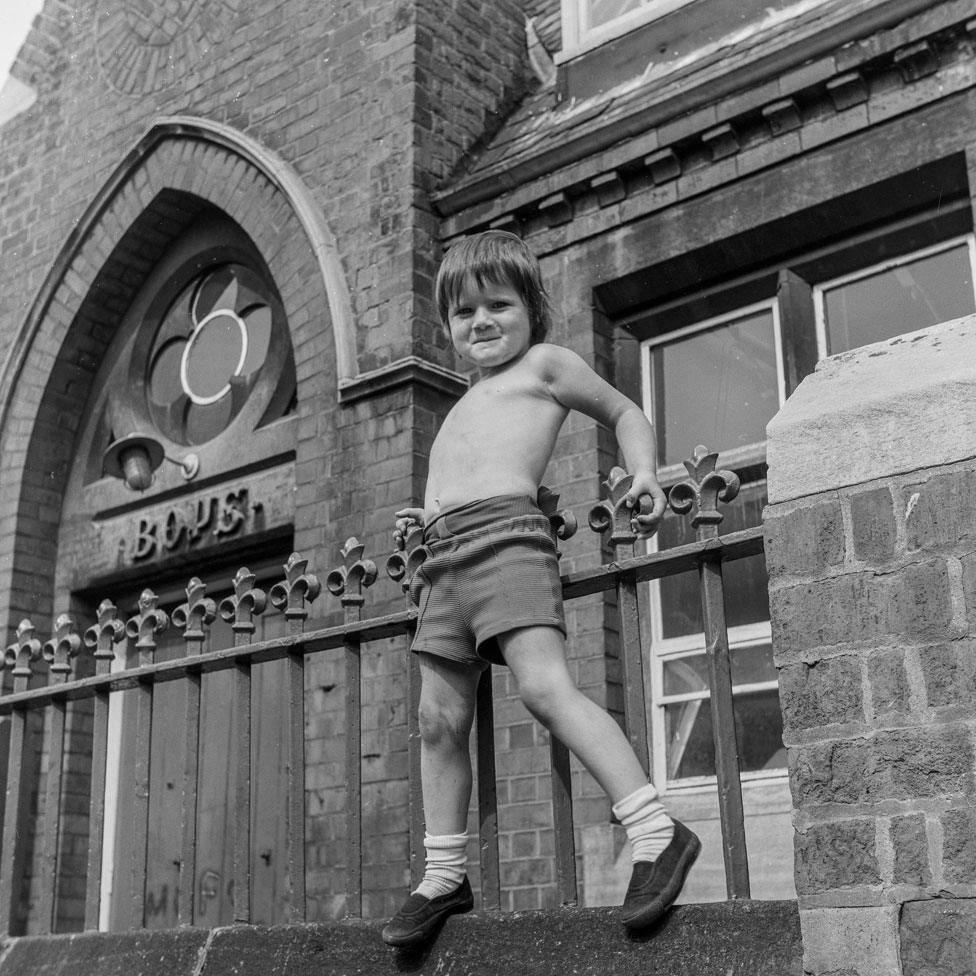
x,y
207,353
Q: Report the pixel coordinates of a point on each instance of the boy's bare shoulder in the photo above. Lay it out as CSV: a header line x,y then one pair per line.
x,y
552,362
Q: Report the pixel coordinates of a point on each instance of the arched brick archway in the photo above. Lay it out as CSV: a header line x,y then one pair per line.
x,y
49,371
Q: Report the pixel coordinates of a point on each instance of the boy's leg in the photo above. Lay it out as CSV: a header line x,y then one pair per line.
x,y
537,659
448,694
447,703
663,850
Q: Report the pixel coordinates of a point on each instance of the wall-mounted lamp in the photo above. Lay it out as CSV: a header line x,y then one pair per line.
x,y
135,457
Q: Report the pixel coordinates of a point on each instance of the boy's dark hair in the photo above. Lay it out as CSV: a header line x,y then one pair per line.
x,y
495,257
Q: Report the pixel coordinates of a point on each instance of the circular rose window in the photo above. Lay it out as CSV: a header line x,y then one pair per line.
x,y
208,352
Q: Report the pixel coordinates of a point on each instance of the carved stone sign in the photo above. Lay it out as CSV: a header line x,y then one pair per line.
x,y
194,522
191,524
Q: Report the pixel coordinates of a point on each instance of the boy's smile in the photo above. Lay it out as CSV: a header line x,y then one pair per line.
x,y
489,324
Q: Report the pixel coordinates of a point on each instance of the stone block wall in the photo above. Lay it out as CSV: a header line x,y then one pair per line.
x,y
870,538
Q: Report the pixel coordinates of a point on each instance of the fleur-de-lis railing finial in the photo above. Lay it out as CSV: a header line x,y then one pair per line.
x,y
62,648
247,603
562,520
296,590
192,617
102,637
613,513
702,490
21,655
146,624
408,556
349,580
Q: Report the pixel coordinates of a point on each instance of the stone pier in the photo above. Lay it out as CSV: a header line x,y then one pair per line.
x,y
871,546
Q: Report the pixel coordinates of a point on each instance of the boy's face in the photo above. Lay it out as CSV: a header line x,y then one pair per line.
x,y
490,324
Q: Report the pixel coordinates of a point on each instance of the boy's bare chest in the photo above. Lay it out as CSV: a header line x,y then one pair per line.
x,y
493,404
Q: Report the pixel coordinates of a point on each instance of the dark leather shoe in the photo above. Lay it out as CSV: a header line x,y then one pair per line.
x,y
654,885
419,918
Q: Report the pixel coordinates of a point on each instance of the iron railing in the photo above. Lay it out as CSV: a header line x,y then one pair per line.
x,y
698,495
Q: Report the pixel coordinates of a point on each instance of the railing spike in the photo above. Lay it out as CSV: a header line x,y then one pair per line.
x,y
296,590
146,624
613,513
20,655
197,613
357,573
702,490
408,556
247,602
563,521
102,637
61,650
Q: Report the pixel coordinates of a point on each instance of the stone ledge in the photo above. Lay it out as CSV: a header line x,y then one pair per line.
x,y
751,938
876,412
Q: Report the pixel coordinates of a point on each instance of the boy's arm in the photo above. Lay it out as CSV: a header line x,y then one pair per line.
x,y
637,442
577,387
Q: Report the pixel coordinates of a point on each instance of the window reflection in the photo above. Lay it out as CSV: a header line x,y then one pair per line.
x,y
603,11
717,386
892,300
758,731
746,594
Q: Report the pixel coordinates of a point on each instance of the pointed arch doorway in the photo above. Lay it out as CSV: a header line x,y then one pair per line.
x,y
173,312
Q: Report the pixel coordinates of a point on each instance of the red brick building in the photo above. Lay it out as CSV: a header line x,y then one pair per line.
x,y
220,227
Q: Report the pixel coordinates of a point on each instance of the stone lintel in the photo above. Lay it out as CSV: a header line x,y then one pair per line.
x,y
891,408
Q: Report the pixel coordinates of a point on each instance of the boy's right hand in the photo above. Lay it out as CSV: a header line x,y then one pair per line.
x,y
406,518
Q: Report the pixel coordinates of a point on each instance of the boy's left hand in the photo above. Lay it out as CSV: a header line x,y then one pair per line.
x,y
647,499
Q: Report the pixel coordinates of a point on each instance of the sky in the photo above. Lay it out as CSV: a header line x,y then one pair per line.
x,y
15,21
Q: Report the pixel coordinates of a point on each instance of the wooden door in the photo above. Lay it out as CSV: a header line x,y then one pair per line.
x,y
214,885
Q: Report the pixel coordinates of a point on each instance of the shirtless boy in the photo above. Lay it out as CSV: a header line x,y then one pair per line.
x,y
489,590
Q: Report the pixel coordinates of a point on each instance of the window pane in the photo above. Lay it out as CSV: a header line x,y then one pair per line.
x,y
718,387
912,296
746,595
603,11
758,730
750,665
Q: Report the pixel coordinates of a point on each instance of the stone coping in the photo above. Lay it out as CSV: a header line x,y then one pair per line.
x,y
745,938
903,405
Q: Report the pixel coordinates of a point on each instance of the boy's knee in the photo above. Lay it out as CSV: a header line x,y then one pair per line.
x,y
443,724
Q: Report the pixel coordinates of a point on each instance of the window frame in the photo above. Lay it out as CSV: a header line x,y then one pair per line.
x,y
792,285
578,38
746,635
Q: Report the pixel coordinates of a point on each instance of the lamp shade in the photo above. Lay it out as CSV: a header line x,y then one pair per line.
x,y
133,459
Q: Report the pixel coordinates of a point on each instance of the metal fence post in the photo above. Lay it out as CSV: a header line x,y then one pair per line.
x,y
20,657
291,596
101,638
239,610
347,583
701,493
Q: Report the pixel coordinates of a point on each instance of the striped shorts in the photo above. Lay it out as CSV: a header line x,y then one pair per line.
x,y
490,568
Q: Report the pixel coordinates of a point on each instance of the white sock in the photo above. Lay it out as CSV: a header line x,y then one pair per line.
x,y
649,828
447,855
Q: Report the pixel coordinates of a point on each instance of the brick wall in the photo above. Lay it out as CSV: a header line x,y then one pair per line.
x,y
368,105
873,608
